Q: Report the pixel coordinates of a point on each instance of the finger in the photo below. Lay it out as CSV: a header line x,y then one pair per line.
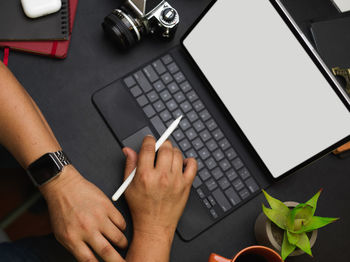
x,y
165,157
82,252
117,219
111,232
104,249
147,153
190,170
131,161
177,165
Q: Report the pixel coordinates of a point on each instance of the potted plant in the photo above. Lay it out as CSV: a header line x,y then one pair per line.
x,y
289,227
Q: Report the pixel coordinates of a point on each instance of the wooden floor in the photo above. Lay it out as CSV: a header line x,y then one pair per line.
x,y
15,188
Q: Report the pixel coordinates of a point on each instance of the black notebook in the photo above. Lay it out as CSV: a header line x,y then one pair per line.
x,y
15,25
332,39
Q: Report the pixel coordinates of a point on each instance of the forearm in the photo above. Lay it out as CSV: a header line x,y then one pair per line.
x,y
148,247
23,129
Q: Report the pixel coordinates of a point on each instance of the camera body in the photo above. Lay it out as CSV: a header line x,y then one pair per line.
x,y
137,18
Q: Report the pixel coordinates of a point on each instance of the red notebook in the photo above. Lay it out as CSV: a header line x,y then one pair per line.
x,y
58,49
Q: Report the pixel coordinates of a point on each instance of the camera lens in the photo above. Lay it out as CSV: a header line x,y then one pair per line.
x,y
123,29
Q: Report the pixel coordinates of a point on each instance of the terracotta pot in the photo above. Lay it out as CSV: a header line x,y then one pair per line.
x,y
267,253
266,233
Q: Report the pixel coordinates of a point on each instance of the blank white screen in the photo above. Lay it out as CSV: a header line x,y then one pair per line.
x,y
264,77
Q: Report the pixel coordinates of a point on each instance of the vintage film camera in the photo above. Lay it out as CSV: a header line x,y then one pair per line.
x,y
137,18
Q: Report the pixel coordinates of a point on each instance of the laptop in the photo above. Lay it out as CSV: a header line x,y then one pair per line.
x,y
258,104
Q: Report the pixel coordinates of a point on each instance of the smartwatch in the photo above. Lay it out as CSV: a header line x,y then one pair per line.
x,y
47,167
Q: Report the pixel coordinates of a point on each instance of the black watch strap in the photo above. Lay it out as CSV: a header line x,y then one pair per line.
x,y
47,167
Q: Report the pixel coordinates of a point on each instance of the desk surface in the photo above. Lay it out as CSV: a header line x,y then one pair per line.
x,y
63,89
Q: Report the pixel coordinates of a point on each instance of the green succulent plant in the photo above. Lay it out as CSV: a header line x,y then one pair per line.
x,y
295,222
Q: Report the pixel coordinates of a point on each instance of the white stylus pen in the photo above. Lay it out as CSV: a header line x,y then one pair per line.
x,y
160,141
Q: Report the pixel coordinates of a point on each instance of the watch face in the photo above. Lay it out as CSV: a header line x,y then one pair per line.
x,y
44,169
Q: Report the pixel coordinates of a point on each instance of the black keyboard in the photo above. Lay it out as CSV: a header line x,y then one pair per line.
x,y
162,91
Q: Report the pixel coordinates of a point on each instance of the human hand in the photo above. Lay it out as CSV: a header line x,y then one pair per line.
x,y
82,217
158,194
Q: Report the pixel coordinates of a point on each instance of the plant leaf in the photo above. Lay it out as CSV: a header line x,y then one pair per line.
x,y
315,223
276,204
292,237
313,201
275,216
304,243
287,247
298,217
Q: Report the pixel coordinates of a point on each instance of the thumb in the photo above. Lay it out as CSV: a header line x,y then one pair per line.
x,y
131,161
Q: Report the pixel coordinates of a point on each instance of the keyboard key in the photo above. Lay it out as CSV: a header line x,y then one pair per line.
x,y
129,81
200,164
213,213
237,163
224,144
200,193
204,115
159,67
198,125
142,81
221,200
150,73
223,183
211,200
159,86
252,185
179,77
192,116
185,87
173,68
179,97
196,182
171,105
173,87
186,106
244,193
191,134
217,134
136,91
211,184
231,154
177,113
159,106
224,164
204,153
192,96
178,135
204,174
197,143
167,59
184,145
184,124
191,153
152,96
212,145
206,203
198,105
158,125
232,196
210,163
218,155
165,95
211,125
167,78
205,135
244,173
231,174
149,111
165,115
142,101
238,184
217,173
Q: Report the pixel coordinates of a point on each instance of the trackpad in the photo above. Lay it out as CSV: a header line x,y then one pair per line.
x,y
135,141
